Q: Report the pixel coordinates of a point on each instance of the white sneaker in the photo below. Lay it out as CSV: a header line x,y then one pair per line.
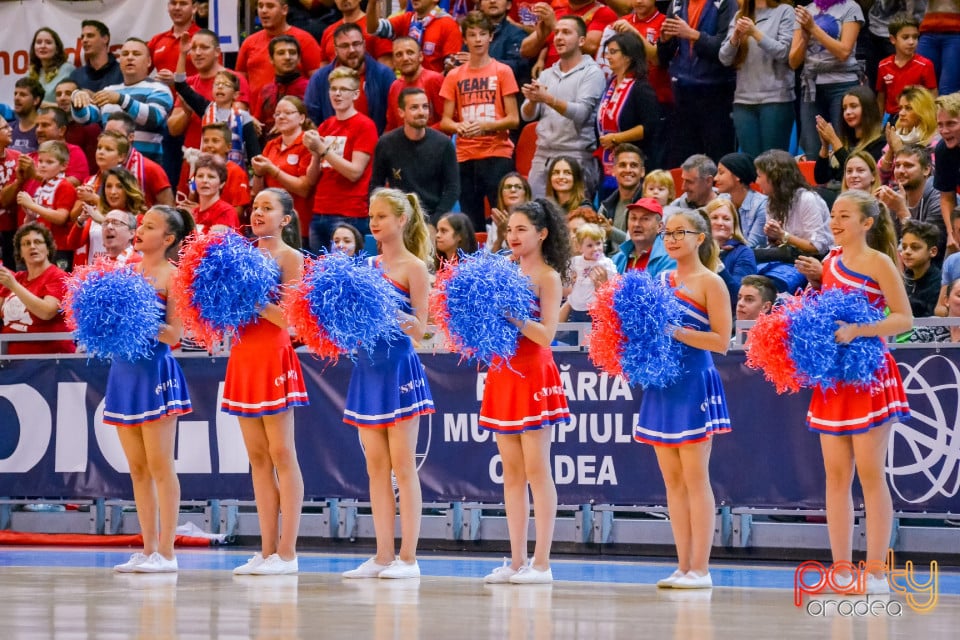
x,y
667,583
247,568
877,586
398,569
502,574
128,566
529,575
156,563
276,566
691,580
369,569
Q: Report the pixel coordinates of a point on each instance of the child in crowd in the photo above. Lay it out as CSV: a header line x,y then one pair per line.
x,y
904,68
590,268
347,238
918,247
50,198
659,185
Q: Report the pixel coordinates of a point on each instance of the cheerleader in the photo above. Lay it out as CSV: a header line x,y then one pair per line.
x,y
263,385
681,419
388,391
144,398
524,399
853,423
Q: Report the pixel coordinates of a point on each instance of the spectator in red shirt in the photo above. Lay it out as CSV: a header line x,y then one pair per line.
x,y
285,56
30,300
165,46
342,147
904,68
236,184
50,198
212,213
408,62
254,58
379,48
435,30
10,182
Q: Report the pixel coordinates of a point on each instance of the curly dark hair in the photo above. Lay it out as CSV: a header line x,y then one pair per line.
x,y
786,180
545,214
34,227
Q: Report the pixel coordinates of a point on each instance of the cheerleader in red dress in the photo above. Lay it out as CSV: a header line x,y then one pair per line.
x,y
263,385
388,390
524,398
854,424
144,398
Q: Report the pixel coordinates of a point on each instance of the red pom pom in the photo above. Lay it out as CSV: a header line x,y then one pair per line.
x,y
191,254
296,309
606,337
768,350
439,312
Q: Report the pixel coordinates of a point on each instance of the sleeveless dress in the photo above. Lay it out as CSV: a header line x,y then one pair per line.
x,y
525,393
849,409
389,384
263,373
148,389
693,408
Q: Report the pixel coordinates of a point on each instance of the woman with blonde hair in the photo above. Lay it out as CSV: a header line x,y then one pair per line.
x,y
389,392
735,254
916,124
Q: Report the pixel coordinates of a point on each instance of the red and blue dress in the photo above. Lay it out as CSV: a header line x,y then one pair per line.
x,y
388,384
525,393
693,408
145,390
849,409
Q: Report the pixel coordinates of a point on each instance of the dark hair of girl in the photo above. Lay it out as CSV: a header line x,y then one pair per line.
x,y
290,233
632,49
463,230
783,174
871,120
358,239
543,213
179,223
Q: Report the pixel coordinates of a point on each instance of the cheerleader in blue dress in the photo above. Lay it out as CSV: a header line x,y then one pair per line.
x,y
144,398
388,391
681,419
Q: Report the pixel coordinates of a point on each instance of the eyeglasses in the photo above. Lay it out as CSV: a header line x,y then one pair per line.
x,y
345,46
677,235
341,90
110,222
513,187
223,85
611,51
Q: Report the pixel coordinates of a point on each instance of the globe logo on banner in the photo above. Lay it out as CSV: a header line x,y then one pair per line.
x,y
925,450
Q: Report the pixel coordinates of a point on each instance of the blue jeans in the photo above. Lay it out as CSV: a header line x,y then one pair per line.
x,y
829,104
941,48
761,127
323,224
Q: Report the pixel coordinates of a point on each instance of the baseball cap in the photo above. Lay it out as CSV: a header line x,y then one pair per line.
x,y
650,204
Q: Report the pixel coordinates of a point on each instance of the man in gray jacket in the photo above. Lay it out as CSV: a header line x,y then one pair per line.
x,y
564,99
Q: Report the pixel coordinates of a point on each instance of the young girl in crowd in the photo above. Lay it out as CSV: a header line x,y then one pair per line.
x,y
659,185
454,234
523,399
514,190
681,419
346,238
854,425
144,398
388,391
261,356
590,268
565,183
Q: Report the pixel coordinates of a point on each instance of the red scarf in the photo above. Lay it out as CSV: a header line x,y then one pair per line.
x,y
608,114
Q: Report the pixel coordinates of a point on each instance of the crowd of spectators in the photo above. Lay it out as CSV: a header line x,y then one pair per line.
x,y
758,112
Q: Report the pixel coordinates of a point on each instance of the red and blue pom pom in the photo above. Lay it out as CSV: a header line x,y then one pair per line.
x,y
471,304
767,349
223,283
632,316
113,311
820,359
795,346
341,305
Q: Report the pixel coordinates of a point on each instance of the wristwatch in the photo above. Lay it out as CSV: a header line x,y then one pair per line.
x,y
786,239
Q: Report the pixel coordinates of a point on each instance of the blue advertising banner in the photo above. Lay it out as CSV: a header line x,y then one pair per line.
x,y
52,443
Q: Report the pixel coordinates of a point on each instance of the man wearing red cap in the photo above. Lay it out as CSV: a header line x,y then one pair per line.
x,y
644,249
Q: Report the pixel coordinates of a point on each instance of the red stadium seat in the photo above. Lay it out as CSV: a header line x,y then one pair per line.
x,y
526,147
806,168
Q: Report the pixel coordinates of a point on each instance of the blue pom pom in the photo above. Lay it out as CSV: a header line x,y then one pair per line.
x,y
819,358
352,301
484,290
651,357
115,313
233,282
